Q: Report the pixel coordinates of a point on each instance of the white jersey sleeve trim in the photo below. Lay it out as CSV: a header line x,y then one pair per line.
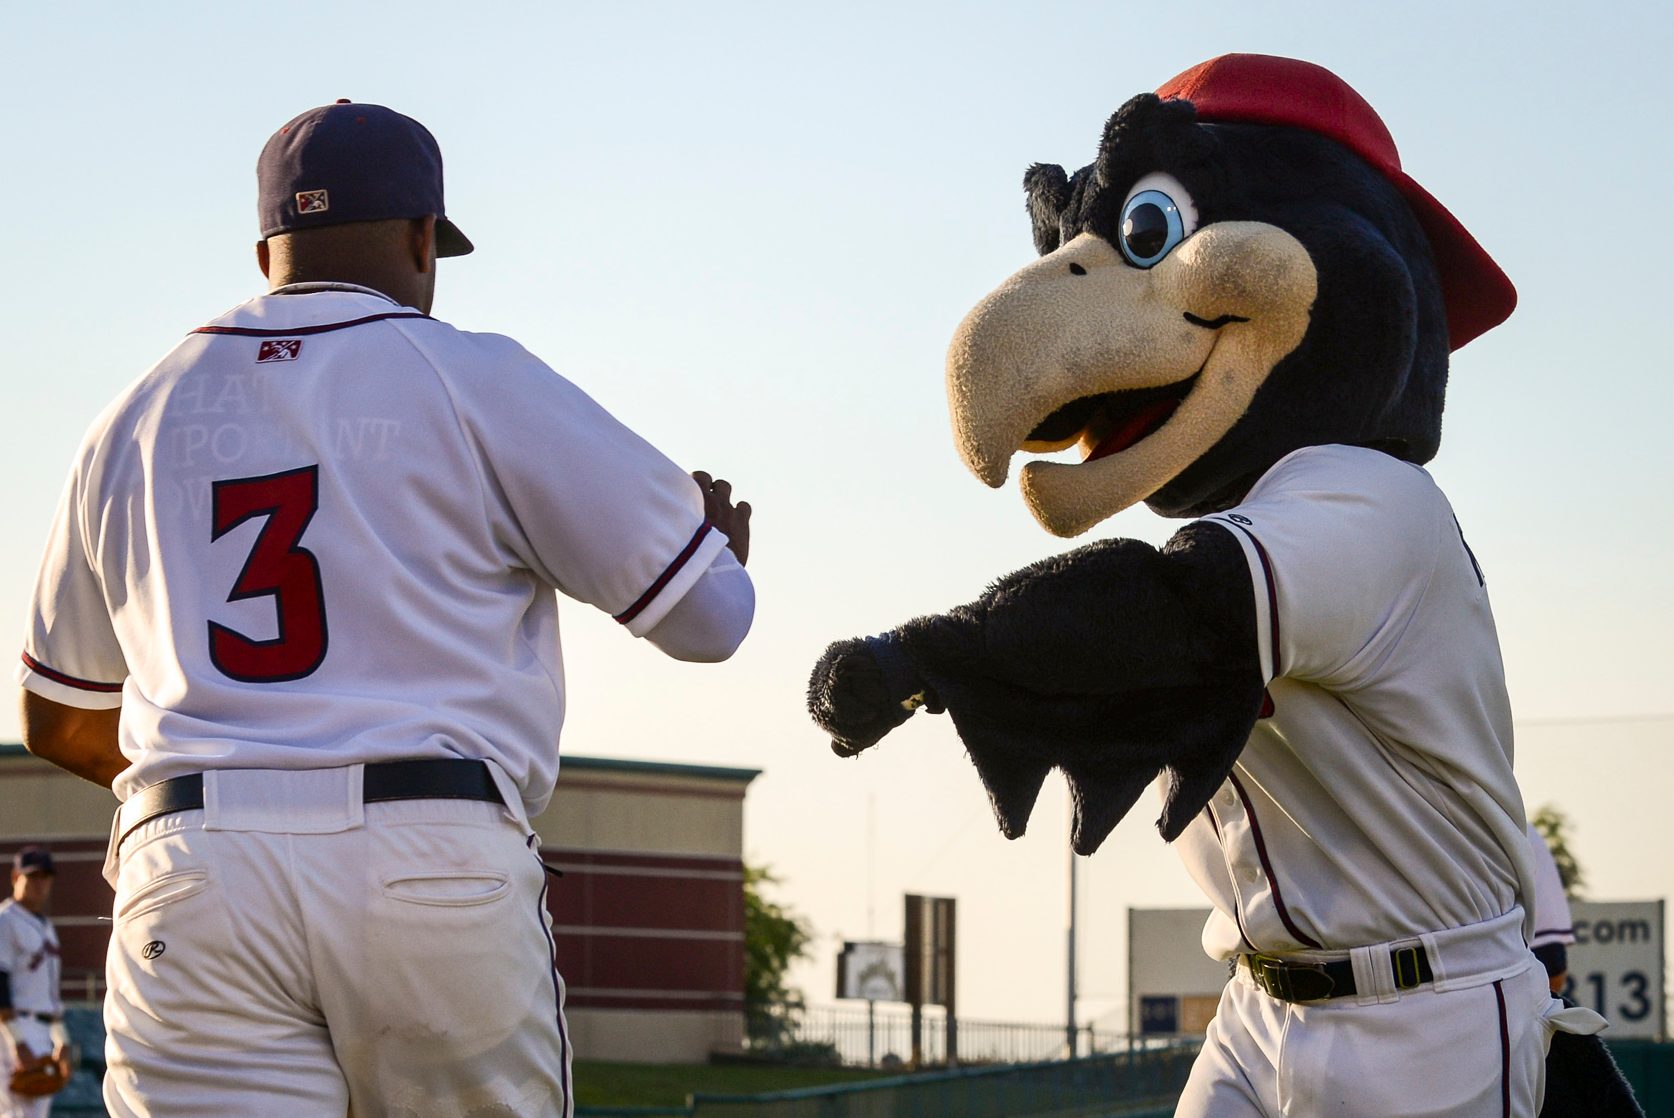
x,y
1266,596
677,578
35,676
712,618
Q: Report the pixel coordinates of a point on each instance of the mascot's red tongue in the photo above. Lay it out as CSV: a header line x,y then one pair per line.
x,y
1134,428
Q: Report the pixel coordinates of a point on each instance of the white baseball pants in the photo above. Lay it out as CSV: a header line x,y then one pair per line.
x,y
288,951
1455,1048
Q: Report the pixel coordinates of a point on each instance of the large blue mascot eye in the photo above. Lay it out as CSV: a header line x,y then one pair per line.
x,y
1151,226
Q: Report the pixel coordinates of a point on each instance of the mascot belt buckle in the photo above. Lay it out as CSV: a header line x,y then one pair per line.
x,y
1290,982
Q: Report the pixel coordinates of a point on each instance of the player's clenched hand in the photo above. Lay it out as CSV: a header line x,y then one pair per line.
x,y
733,520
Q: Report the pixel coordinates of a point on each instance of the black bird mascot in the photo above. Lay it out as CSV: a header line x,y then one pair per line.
x,y
1242,314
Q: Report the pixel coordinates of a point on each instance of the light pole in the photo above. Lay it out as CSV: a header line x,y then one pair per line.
x,y
1069,1018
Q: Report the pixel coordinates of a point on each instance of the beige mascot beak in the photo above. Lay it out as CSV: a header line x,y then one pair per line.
x,y
1145,368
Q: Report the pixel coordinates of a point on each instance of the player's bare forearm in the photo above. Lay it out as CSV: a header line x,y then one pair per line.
x,y
733,520
77,740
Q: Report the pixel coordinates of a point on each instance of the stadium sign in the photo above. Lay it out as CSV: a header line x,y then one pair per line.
x,y
1616,965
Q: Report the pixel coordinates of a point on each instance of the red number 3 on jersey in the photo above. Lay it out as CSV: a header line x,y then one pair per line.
x,y
277,568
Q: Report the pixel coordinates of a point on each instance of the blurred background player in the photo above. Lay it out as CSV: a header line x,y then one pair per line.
x,y
1554,929
31,1014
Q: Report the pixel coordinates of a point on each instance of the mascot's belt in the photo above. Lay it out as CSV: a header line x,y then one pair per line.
x,y
1468,955
1312,982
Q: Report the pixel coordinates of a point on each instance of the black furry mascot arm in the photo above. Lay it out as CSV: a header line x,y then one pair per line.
x,y
1113,662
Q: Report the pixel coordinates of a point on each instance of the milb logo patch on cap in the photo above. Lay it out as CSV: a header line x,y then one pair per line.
x,y
313,202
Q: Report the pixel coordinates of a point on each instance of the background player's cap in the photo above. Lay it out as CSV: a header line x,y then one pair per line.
x,y
347,162
33,859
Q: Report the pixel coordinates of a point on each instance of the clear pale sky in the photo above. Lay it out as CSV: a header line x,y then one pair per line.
x,y
750,229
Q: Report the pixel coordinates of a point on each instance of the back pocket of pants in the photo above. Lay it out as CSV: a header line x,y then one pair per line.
x,y
448,888
160,891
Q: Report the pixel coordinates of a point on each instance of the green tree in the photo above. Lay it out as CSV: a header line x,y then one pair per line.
x,y
774,938
1554,827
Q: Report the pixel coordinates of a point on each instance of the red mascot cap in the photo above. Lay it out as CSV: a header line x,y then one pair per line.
x,y
1263,89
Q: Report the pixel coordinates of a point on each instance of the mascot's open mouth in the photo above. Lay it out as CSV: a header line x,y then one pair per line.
x,y
1110,422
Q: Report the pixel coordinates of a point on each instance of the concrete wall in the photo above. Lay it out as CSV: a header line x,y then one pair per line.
x,y
668,1036
649,915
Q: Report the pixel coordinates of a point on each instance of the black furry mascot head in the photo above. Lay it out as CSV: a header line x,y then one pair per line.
x,y
1244,270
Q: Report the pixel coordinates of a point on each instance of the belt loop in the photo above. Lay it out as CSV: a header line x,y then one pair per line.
x,y
284,801
511,795
1374,983
356,792
113,863
211,800
1438,962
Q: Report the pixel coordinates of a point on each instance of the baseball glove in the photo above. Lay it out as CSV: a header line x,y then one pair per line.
x,y
41,1075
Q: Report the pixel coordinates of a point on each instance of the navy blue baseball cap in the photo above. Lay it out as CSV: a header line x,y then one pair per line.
x,y
33,859
349,162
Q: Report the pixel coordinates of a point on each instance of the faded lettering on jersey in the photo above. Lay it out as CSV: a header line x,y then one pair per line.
x,y
199,454
365,439
223,394
200,445
220,428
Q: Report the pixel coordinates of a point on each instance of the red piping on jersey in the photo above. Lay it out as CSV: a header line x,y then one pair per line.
x,y
1272,592
1267,868
1505,1055
41,669
669,572
300,331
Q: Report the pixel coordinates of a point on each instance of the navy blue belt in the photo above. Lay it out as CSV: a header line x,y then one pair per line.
x,y
431,779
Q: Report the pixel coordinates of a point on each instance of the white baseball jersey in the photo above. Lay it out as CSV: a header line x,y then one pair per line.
x,y
1552,922
324,530
1377,800
29,956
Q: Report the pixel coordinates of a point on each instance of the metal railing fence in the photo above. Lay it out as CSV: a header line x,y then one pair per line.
x,y
882,1037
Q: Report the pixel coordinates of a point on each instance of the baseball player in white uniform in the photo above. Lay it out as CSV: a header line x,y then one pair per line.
x,y
1385,685
31,1008
1554,929
311,557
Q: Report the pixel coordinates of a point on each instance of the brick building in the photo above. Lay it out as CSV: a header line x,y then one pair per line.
x,y
648,917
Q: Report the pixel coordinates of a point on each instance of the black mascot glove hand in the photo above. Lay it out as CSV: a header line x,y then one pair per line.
x,y
861,689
